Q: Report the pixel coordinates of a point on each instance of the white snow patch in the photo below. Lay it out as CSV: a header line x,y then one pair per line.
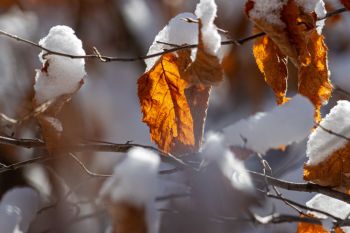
x,y
330,205
215,150
317,6
63,74
322,144
177,32
268,10
283,125
134,179
18,209
180,32
206,11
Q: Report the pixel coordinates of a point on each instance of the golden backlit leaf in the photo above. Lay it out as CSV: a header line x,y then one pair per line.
x,y
273,64
314,78
304,227
333,171
165,108
305,48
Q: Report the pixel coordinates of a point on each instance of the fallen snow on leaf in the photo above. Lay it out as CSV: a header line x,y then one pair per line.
x,y
283,125
18,209
177,32
269,10
322,144
134,179
59,75
206,11
214,150
329,205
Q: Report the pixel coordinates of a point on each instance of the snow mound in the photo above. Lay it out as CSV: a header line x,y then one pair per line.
x,y
283,125
59,75
134,179
322,144
214,150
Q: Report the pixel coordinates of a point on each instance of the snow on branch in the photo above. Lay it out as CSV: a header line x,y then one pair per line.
x,y
281,126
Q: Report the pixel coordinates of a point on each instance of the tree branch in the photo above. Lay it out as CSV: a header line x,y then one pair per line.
x,y
302,187
103,58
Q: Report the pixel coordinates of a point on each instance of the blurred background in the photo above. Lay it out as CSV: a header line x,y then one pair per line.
x,y
107,109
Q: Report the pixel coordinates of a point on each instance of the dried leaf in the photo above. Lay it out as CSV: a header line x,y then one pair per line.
x,y
127,218
206,68
314,78
51,129
174,98
273,64
304,227
300,42
165,108
334,171
198,99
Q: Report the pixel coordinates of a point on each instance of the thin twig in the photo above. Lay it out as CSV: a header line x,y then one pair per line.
x,y
103,58
302,187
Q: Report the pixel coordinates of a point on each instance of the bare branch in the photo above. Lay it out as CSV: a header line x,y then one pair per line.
x,y
302,187
102,58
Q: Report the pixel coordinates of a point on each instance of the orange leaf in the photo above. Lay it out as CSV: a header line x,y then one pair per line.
x,y
304,227
334,171
165,108
301,43
273,64
314,78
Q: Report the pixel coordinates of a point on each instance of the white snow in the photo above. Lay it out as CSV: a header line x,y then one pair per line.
x,y
330,205
206,11
214,150
283,125
18,209
180,32
322,144
317,6
177,32
268,10
63,74
134,179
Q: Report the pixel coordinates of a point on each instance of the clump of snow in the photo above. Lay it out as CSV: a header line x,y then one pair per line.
x,y
60,75
180,32
268,10
214,150
322,144
316,6
330,205
177,32
283,125
134,179
206,11
18,209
